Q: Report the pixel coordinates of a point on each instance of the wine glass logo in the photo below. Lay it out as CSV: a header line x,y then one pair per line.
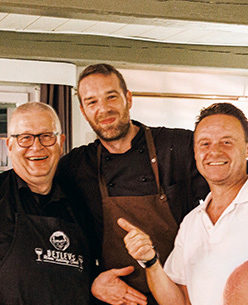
x,y
39,252
80,262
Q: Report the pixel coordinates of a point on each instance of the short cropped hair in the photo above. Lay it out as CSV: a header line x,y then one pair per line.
x,y
103,69
227,109
34,107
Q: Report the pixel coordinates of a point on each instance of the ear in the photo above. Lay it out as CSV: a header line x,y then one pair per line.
x,y
129,99
83,112
8,143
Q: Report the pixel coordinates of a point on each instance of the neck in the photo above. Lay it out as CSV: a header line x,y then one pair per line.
x,y
222,197
121,145
41,188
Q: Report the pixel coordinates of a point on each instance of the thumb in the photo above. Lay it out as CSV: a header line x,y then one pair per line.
x,y
125,225
123,271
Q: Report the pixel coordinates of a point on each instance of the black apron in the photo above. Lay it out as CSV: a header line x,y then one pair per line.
x,y
150,213
47,264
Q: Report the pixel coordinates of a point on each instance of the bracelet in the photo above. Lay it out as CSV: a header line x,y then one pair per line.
x,y
151,262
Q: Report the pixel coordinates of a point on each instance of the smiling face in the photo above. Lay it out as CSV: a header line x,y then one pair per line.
x,y
221,149
37,164
105,106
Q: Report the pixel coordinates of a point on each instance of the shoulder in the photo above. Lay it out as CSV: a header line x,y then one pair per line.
x,y
80,152
79,160
6,181
4,176
172,134
191,218
177,140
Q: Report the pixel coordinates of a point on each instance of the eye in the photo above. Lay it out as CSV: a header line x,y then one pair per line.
x,y
47,136
91,103
227,142
112,97
204,144
25,137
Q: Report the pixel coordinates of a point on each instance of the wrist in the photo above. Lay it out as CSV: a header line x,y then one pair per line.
x,y
149,263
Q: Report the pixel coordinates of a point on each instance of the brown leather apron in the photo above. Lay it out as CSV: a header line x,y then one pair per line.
x,y
150,213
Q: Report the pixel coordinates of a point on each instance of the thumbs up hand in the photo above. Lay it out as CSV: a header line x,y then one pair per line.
x,y
138,244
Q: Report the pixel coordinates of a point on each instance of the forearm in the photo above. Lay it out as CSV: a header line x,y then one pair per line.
x,y
164,290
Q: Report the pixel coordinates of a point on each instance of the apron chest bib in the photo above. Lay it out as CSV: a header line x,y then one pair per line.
x,y
150,213
47,264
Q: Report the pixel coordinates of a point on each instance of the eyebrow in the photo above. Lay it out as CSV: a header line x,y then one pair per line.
x,y
112,91
222,138
89,98
93,97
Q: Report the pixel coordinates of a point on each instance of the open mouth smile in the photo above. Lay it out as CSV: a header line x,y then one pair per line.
x,y
217,163
37,158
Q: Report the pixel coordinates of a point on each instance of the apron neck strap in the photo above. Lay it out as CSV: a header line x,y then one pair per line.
x,y
153,156
102,183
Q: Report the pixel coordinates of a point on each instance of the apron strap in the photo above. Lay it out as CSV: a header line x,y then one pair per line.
x,y
153,157
102,183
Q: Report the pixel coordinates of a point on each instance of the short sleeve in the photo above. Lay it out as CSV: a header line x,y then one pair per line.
x,y
174,265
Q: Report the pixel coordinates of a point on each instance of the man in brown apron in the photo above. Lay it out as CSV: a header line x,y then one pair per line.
x,y
146,175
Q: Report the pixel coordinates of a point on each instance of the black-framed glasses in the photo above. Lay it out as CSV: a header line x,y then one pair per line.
x,y
26,140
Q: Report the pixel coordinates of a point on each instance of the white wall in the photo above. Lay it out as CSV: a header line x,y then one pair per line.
x,y
165,111
39,72
82,133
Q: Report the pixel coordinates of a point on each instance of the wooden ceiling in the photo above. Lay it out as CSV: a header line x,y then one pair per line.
x,y
222,45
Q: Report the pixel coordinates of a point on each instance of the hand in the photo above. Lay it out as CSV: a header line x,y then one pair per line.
x,y
108,288
138,244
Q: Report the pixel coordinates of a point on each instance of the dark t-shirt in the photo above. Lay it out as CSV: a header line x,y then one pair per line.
x,y
12,187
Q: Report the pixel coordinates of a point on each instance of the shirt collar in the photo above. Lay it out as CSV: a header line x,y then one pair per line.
x,y
242,194
20,183
57,192
204,204
134,141
239,199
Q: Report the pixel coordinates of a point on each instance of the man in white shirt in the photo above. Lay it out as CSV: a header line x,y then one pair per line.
x,y
211,241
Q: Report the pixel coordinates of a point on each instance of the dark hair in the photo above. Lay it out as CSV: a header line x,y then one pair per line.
x,y
224,108
103,69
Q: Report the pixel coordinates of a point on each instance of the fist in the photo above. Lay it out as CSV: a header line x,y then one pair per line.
x,y
138,244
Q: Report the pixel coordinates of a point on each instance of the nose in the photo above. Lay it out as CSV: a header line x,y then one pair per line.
x,y
103,106
215,149
37,144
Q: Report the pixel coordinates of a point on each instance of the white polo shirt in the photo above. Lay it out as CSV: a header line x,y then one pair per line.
x,y
205,254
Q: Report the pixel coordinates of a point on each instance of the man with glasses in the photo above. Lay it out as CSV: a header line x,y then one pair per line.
x,y
44,254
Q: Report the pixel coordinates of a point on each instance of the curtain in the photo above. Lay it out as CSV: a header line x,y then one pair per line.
x,y
59,97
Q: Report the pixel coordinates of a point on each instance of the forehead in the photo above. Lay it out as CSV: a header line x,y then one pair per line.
x,y
219,125
33,122
96,83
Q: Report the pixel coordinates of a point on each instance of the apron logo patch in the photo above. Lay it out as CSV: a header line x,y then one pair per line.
x,y
60,242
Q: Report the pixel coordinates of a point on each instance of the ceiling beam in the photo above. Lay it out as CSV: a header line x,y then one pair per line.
x,y
82,49
140,11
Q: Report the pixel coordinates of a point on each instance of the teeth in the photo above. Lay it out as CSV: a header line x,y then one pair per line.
x,y
37,158
217,163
